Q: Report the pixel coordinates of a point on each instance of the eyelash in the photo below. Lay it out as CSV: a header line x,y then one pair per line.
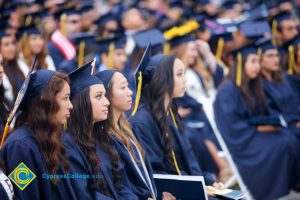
x,y
99,96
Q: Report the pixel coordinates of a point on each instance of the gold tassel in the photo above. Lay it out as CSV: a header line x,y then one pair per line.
x,y
138,94
5,132
166,48
291,60
81,53
111,50
259,52
239,70
274,31
28,20
220,48
65,126
173,153
63,21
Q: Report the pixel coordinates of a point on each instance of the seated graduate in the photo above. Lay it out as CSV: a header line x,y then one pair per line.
x,y
137,166
256,145
89,149
156,121
35,141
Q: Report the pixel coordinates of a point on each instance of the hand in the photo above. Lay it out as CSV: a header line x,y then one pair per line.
x,y
203,48
219,185
216,186
298,124
267,128
183,112
168,196
150,199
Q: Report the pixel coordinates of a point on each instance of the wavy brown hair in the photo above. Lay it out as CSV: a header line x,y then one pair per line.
x,y
125,133
88,136
45,129
154,94
28,54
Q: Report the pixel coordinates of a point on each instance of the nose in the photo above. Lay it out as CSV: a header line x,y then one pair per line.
x,y
130,93
106,102
70,107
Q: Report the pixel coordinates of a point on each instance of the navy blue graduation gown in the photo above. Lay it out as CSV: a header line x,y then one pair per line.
x,y
106,166
218,75
80,165
294,82
198,129
21,146
140,188
55,54
264,160
146,128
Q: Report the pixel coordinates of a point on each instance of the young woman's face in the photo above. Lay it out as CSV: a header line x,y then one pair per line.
x,y
36,43
121,94
65,105
191,53
8,47
179,79
252,66
270,60
99,102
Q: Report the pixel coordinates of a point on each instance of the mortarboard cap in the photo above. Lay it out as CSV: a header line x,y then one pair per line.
x,y
103,19
255,29
284,15
82,78
153,36
113,42
176,41
265,44
105,76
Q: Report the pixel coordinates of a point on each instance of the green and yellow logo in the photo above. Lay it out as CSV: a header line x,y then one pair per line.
x,y
22,176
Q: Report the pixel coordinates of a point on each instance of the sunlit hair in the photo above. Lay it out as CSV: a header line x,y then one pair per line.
x,y
124,131
39,117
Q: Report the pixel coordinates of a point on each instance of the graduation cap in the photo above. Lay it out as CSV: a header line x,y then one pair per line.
x,y
62,15
153,36
82,78
259,12
105,76
290,47
138,76
265,44
229,4
31,87
109,45
255,29
103,19
239,54
82,41
3,33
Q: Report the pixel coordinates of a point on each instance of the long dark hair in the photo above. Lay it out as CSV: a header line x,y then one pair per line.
x,y
250,88
154,94
12,71
5,108
88,135
39,117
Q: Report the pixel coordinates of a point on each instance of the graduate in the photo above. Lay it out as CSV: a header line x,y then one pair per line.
x,y
13,76
90,150
36,139
256,143
156,121
32,43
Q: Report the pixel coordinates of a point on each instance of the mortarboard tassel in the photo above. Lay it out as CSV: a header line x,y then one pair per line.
x,y
291,60
220,48
5,132
259,52
274,31
63,21
138,94
173,153
81,53
28,20
239,70
166,47
111,50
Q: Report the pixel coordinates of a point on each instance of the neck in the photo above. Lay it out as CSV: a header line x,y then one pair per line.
x,y
267,74
166,103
